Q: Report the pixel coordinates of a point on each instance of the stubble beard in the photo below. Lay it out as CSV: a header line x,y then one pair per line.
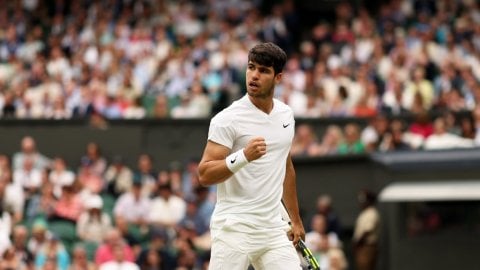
x,y
263,94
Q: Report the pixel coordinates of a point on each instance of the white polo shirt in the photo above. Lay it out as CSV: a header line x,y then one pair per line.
x,y
252,195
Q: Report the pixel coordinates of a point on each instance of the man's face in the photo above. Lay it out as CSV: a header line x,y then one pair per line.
x,y
261,80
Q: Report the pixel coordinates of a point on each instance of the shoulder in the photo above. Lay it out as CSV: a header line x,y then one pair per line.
x,y
228,115
282,108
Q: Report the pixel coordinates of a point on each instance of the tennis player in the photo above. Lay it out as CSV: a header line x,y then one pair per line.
x,y
247,156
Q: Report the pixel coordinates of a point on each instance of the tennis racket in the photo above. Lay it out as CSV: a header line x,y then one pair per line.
x,y
312,263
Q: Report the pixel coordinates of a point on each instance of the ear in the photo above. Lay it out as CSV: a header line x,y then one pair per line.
x,y
278,77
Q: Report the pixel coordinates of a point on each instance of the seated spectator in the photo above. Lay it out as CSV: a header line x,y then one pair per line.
x,y
330,141
113,241
352,143
441,139
319,230
394,139
119,261
325,208
421,125
52,252
158,253
19,239
93,165
9,260
133,206
80,260
93,223
147,174
132,234
69,206
205,205
41,205
305,142
373,133
118,177
28,177
166,209
12,198
337,259
60,176
39,236
29,150
5,229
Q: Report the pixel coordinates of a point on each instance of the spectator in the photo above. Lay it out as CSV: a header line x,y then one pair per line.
x,y
39,236
29,151
60,176
93,165
10,260
119,261
318,231
324,207
441,139
28,177
95,159
372,134
41,205
158,253
352,143
305,142
337,259
108,251
331,140
69,207
421,125
366,232
20,238
93,223
5,229
133,206
166,209
52,252
12,198
146,173
118,177
80,260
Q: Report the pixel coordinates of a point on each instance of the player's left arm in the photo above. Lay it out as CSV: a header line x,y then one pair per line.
x,y
290,200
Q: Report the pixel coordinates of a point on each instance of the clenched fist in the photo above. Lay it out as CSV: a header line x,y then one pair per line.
x,y
255,148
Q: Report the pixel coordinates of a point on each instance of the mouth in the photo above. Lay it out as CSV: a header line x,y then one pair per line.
x,y
253,85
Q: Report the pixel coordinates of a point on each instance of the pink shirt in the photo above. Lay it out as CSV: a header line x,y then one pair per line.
x,y
105,254
70,209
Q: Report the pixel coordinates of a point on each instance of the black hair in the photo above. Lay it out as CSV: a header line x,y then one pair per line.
x,y
268,54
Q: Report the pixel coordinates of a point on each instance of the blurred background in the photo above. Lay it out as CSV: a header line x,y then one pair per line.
x,y
105,106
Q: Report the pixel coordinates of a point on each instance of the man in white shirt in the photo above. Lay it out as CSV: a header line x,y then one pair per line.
x,y
247,157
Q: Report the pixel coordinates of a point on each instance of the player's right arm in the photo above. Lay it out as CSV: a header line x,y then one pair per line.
x,y
213,168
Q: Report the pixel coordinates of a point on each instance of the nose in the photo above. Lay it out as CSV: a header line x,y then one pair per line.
x,y
255,74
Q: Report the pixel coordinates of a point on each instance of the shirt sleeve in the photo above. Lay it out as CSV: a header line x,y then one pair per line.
x,y
221,133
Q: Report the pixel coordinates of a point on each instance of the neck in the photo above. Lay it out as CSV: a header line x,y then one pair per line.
x,y
265,104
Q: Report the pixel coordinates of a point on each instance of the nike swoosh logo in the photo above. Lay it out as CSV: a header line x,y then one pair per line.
x,y
284,126
233,160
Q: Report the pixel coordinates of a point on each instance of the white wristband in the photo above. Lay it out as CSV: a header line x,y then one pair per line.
x,y
236,161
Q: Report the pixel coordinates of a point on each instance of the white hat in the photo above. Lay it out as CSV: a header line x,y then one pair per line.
x,y
94,201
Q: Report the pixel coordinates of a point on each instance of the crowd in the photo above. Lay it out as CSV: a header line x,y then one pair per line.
x,y
101,213
383,134
184,59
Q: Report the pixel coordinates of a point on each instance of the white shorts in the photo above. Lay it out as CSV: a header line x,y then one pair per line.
x,y
235,249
